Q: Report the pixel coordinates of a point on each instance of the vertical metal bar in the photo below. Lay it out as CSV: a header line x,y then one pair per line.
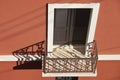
x,y
44,64
32,49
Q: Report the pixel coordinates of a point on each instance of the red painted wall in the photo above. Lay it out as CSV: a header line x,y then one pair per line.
x,y
23,22
108,27
7,73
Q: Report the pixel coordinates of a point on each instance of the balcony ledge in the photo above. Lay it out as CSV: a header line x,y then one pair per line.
x,y
85,74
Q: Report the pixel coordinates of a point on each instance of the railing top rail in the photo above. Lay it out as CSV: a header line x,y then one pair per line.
x,y
28,46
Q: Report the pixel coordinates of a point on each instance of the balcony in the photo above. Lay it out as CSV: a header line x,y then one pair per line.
x,y
71,63
68,60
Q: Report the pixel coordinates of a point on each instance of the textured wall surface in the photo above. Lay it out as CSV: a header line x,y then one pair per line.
x,y
23,22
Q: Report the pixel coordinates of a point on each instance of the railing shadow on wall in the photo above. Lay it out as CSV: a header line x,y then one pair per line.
x,y
30,57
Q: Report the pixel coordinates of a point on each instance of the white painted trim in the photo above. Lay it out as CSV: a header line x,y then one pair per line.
x,y
109,57
92,25
100,57
13,58
8,58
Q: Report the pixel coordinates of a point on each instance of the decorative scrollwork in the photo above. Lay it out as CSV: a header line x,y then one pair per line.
x,y
29,53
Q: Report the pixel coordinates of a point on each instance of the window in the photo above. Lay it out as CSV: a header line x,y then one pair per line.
x,y
71,24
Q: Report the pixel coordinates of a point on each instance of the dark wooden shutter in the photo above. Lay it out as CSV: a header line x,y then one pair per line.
x,y
82,19
60,26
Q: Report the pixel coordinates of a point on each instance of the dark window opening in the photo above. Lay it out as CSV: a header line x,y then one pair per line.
x,y
71,26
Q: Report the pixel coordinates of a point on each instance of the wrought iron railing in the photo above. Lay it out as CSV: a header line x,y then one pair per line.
x,y
29,53
60,65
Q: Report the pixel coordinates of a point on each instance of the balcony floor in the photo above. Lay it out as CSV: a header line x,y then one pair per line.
x,y
68,52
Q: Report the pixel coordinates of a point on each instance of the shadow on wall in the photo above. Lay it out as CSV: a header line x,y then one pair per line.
x,y
30,57
29,65
18,22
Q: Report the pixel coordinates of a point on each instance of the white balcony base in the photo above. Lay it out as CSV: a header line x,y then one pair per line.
x,y
77,74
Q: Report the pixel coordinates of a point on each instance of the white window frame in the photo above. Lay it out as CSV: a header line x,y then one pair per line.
x,y
92,24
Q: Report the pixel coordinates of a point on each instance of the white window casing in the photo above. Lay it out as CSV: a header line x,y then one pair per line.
x,y
92,24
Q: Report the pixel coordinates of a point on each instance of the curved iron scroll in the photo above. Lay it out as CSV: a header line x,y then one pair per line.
x,y
30,53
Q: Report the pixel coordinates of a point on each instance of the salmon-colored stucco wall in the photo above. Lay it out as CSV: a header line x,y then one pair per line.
x,y
23,22
108,27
